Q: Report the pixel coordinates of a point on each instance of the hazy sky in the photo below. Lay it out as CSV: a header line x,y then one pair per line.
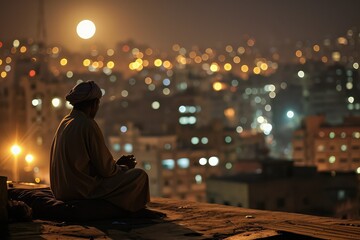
x,y
161,23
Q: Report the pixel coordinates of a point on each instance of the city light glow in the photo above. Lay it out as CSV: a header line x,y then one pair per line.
x,y
15,149
29,158
290,114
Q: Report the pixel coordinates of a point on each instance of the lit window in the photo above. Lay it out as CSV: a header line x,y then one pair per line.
x,y
192,120
166,82
147,166
204,140
332,135
182,109
202,161
320,148
356,134
128,147
343,147
198,179
343,135
69,74
228,165
168,163
183,162
183,120
213,161
123,129
155,105
116,147
194,140
56,102
341,194
167,146
228,139
332,159
36,102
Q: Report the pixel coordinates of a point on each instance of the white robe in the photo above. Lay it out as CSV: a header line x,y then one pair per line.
x,y
82,167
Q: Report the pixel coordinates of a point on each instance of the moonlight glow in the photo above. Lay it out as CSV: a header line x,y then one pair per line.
x,y
86,29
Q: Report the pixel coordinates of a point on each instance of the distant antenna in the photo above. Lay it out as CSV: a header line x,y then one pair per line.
x,y
41,31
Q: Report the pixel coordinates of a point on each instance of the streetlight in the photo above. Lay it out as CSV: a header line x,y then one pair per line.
x,y
29,158
15,150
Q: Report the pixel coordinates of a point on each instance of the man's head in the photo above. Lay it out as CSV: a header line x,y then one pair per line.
x,y
85,96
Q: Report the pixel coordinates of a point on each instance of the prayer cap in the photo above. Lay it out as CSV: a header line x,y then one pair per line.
x,y
83,91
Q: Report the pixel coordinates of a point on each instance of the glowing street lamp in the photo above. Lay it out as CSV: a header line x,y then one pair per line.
x,y
15,150
29,158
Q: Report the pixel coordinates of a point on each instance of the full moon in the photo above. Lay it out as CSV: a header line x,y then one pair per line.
x,y
86,29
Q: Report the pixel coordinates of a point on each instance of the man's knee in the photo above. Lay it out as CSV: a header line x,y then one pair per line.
x,y
140,173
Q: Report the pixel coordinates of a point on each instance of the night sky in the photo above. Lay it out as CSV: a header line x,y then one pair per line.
x,y
161,23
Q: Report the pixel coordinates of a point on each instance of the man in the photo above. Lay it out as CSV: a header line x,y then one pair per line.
x,y
82,167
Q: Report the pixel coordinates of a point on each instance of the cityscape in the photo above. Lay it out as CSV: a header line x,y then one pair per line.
x,y
266,126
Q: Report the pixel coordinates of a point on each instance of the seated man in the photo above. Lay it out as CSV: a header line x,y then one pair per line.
x,y
82,167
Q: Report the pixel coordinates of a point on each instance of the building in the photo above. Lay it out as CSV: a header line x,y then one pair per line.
x,y
328,147
279,186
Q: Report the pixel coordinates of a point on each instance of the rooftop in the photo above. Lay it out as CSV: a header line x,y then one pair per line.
x,y
193,220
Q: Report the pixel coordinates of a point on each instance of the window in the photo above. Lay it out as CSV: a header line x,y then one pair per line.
x,y
213,161
116,147
198,179
128,147
228,139
343,147
356,134
204,140
168,164
194,140
320,148
341,194
332,135
147,166
166,182
355,147
167,146
183,162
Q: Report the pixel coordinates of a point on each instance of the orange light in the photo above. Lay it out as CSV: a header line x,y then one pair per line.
x,y
125,48
32,73
15,149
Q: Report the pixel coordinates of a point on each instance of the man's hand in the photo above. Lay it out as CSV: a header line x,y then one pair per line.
x,y
128,160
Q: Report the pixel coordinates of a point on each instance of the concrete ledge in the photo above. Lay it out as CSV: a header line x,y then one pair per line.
x,y
191,220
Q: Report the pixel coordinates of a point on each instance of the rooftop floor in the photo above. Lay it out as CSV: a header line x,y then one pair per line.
x,y
192,220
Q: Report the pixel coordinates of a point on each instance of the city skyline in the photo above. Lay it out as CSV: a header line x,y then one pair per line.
x,y
160,24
